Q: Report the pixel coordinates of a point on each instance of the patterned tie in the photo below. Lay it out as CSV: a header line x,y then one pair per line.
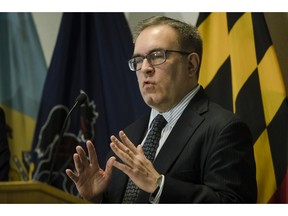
x,y
150,146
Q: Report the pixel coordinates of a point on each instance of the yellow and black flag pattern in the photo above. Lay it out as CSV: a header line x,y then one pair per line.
x,y
241,72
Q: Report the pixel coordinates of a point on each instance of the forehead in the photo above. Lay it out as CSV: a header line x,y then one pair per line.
x,y
156,37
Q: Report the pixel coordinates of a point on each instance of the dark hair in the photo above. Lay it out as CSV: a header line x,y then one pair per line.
x,y
189,38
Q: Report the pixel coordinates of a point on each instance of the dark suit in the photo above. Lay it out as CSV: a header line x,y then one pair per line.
x,y
207,158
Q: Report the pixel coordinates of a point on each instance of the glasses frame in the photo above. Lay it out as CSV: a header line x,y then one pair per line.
x,y
151,54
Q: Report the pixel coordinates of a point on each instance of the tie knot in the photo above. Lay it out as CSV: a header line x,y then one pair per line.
x,y
159,122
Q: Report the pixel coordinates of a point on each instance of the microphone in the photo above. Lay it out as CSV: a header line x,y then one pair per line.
x,y
82,97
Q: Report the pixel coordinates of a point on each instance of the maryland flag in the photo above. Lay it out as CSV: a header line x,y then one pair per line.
x,y
240,71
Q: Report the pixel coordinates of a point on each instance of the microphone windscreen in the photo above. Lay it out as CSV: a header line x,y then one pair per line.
x,y
82,97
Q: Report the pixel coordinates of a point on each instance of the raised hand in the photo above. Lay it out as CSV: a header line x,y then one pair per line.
x,y
90,180
139,169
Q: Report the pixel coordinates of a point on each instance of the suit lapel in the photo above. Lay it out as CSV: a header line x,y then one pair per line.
x,y
186,126
137,130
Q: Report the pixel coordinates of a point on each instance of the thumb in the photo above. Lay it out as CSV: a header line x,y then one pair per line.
x,y
109,166
140,149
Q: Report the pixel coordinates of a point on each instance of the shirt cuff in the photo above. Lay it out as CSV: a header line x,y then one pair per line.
x,y
156,199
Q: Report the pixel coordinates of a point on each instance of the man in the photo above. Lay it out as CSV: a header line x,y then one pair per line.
x,y
205,154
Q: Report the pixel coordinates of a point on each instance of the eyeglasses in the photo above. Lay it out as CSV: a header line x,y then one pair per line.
x,y
155,58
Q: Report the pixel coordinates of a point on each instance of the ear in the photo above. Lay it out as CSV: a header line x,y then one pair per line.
x,y
194,62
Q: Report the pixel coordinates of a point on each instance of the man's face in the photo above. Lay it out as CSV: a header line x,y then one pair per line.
x,y
163,86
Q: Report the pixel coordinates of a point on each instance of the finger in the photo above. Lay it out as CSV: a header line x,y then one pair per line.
x,y
82,155
109,166
143,159
140,149
141,153
92,154
124,156
123,167
72,176
78,163
130,171
119,144
127,142
124,148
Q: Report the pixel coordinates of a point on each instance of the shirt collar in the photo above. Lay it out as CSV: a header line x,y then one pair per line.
x,y
174,113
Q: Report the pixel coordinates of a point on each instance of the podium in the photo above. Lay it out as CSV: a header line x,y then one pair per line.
x,y
34,192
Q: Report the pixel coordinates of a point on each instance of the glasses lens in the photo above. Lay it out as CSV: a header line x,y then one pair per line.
x,y
135,63
157,58
154,58
131,64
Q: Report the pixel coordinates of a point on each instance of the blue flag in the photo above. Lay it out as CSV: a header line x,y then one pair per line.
x,y
90,56
22,74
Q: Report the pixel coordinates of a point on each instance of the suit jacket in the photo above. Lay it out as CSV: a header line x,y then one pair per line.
x,y
207,158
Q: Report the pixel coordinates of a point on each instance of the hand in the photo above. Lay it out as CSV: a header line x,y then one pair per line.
x,y
91,181
139,169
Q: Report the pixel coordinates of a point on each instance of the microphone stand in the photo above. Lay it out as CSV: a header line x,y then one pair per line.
x,y
79,100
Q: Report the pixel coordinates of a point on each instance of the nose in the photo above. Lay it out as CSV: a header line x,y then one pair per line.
x,y
147,68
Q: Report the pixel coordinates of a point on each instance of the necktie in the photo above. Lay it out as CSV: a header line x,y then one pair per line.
x,y
149,147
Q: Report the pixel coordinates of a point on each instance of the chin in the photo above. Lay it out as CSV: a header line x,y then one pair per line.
x,y
150,102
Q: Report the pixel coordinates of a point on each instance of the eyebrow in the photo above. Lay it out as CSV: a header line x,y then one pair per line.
x,y
151,51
